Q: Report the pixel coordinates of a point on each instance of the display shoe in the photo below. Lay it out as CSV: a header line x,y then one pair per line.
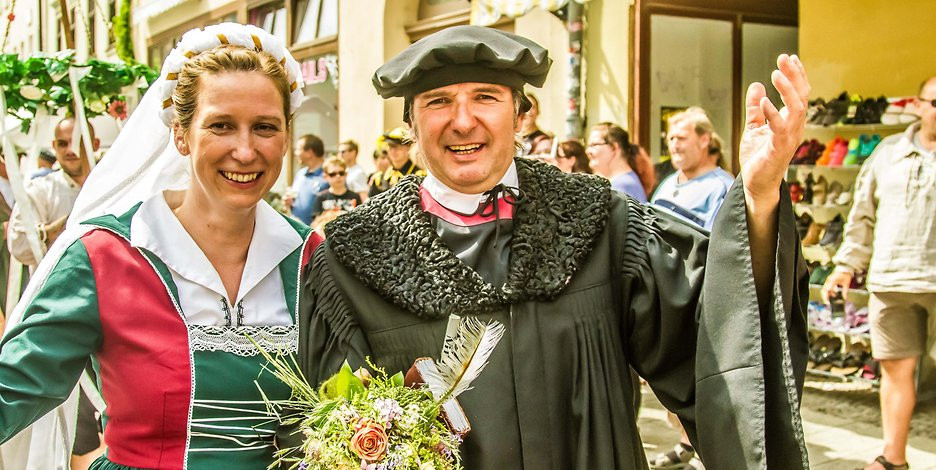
x,y
796,192
801,152
808,189
852,157
816,151
877,110
820,191
819,274
836,110
816,111
834,191
833,232
895,107
858,110
844,199
823,159
909,113
813,233
838,153
867,145
802,224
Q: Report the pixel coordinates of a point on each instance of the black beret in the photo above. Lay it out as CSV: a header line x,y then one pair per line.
x,y
463,54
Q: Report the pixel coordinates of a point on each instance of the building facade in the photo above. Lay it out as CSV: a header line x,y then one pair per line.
x,y
340,43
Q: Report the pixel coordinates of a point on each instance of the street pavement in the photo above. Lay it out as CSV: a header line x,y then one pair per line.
x,y
841,422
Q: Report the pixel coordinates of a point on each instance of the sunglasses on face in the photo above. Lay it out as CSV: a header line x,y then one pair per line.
x,y
335,173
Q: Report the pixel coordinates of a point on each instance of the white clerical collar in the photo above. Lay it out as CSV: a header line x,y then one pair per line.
x,y
461,202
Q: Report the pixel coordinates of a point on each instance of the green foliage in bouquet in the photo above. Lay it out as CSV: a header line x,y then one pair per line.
x,y
42,80
363,421
356,420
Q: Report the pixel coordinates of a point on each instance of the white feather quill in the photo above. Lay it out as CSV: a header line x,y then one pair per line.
x,y
468,345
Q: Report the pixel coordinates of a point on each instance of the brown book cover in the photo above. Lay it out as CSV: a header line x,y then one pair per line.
x,y
452,413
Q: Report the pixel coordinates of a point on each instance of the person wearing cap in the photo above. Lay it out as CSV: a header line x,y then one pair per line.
x,y
587,282
44,162
397,145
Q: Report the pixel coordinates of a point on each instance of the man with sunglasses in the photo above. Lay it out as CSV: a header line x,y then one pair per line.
x,y
890,234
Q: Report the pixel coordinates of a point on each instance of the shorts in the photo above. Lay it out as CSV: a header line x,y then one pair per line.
x,y
903,325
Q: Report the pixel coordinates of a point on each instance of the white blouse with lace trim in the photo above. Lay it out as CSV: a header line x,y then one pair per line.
x,y
215,322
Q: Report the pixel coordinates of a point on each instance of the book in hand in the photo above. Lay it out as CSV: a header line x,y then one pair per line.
x,y
451,412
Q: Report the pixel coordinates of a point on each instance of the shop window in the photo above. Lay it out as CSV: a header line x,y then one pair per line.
x,y
318,113
230,18
109,20
158,52
270,17
315,19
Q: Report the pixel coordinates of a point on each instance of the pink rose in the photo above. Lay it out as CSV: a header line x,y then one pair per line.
x,y
369,440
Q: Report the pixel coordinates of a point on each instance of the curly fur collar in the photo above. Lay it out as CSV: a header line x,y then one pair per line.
x,y
391,247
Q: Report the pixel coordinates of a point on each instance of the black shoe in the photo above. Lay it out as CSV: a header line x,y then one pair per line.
x,y
833,232
808,189
836,110
802,224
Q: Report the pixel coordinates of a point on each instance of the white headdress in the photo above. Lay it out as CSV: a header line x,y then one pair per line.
x,y
143,160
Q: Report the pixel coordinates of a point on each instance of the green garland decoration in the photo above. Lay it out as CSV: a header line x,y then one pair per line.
x,y
123,43
42,80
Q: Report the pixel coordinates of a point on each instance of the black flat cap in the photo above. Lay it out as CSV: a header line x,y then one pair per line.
x,y
463,54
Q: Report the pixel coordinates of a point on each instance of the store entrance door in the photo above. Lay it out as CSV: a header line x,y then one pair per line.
x,y
705,54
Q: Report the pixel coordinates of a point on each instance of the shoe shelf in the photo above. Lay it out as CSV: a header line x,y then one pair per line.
x,y
844,378
823,213
848,334
858,128
841,173
820,253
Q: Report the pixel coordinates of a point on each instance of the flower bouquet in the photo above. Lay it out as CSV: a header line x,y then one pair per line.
x,y
369,420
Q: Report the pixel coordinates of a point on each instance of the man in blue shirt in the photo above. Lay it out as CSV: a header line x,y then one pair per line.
x,y
696,190
309,180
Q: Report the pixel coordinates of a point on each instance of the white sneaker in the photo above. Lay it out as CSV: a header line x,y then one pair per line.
x,y
694,464
675,459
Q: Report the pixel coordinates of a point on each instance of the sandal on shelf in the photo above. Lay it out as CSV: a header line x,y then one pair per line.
x,y
694,464
674,459
887,465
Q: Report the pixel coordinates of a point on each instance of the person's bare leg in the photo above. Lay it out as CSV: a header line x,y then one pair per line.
x,y
898,398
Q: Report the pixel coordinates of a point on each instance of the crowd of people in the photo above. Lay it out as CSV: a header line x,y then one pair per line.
x,y
602,271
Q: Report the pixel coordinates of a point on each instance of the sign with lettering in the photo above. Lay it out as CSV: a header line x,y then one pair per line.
x,y
319,69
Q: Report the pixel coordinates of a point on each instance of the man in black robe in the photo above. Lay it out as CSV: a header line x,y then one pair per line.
x,y
588,282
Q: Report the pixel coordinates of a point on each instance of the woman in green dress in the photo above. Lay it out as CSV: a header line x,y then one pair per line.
x,y
176,269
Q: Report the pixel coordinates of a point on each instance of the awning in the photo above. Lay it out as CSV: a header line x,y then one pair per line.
x,y
487,12
152,8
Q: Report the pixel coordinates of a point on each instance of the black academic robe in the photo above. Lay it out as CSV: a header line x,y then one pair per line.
x,y
596,283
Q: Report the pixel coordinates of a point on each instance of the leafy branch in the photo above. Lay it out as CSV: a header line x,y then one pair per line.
x,y
42,80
